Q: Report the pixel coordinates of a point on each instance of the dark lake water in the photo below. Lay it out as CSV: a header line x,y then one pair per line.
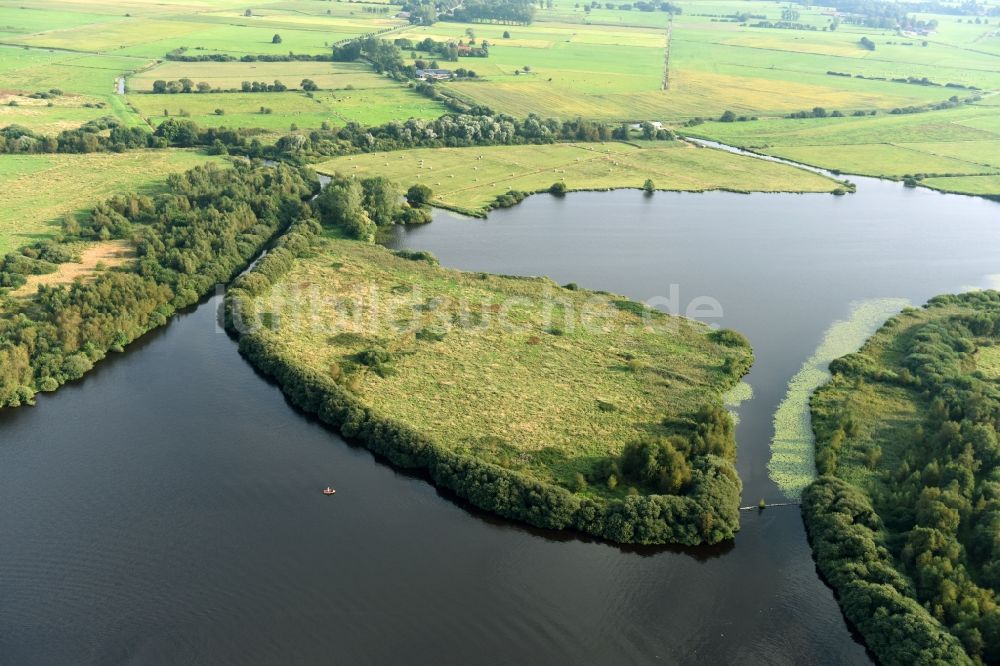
x,y
166,509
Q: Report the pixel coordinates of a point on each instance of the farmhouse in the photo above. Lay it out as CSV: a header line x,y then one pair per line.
x,y
655,123
424,74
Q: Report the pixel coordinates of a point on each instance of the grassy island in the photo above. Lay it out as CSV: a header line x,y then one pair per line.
x,y
561,407
903,520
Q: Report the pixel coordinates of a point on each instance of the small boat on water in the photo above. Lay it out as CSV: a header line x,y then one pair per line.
x,y
328,491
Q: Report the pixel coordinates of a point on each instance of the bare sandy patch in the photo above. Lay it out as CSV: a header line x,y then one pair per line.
x,y
108,253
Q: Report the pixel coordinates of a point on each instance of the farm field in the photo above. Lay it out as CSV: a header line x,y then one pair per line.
x,y
37,115
964,124
152,31
471,178
715,65
87,74
605,64
40,189
375,106
86,81
350,92
569,12
875,160
82,47
574,70
527,385
963,141
220,37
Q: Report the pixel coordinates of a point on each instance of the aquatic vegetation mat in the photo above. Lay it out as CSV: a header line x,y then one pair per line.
x,y
792,466
734,398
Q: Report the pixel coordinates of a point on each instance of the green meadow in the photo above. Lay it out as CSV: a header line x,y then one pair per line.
x,y
282,110
140,29
31,70
604,64
225,75
975,185
39,116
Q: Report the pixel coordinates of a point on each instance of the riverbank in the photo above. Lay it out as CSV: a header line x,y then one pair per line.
x,y
474,180
521,396
907,445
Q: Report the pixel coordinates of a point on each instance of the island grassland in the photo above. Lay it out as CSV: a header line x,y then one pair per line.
x,y
904,515
471,179
522,396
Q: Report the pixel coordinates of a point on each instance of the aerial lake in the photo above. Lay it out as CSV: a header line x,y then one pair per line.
x,y
166,509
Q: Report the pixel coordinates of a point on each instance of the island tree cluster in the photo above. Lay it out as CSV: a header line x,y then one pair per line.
x,y
906,517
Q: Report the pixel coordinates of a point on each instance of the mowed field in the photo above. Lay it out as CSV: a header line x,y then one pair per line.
x,y
610,65
86,81
960,146
604,64
50,116
39,190
470,178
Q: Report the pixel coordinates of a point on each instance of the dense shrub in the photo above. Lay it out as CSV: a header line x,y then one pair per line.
x,y
847,539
